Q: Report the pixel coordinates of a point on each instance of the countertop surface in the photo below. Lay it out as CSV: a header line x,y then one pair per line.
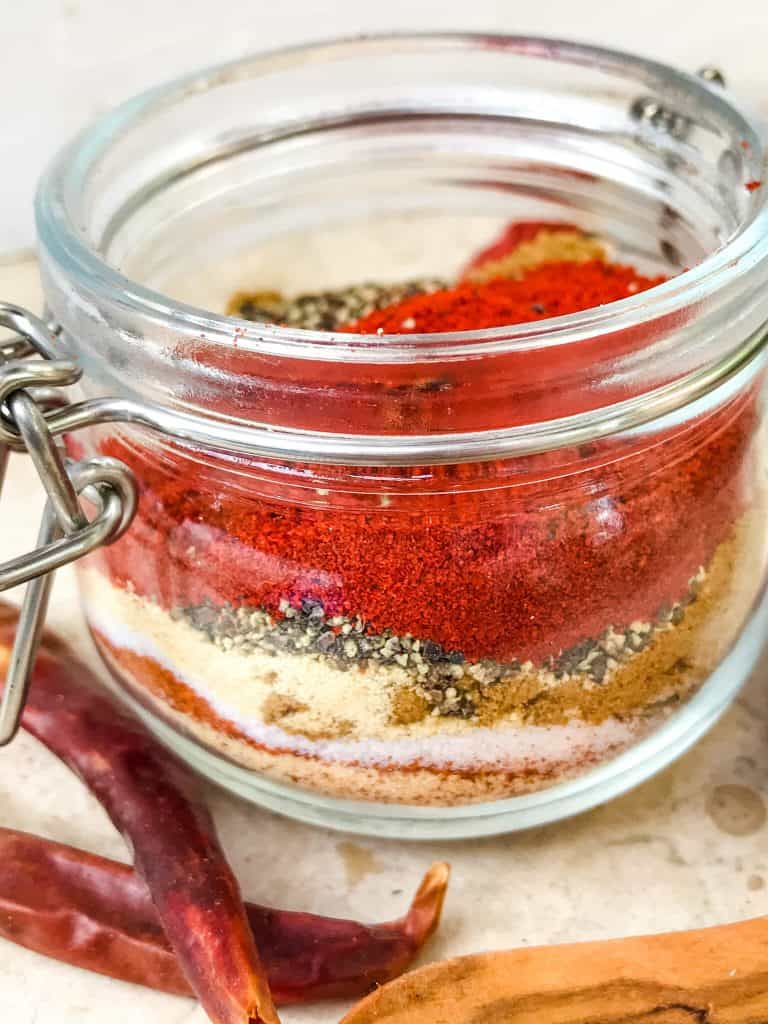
x,y
687,849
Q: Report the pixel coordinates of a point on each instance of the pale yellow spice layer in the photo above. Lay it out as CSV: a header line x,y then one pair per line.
x,y
381,702
559,246
396,785
413,786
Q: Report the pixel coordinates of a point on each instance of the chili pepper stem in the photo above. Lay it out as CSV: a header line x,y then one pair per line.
x,y
425,911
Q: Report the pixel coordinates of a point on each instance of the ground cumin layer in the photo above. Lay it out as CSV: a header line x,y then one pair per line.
x,y
306,703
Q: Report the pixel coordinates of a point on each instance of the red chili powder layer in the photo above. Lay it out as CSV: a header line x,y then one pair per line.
x,y
523,571
551,290
520,573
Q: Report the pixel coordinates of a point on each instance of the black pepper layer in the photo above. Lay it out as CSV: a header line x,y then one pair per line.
x,y
442,675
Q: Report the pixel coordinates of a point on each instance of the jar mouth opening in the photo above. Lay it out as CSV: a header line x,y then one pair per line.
x,y
66,238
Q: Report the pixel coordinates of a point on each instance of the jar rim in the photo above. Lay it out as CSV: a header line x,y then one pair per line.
x,y
724,281
59,229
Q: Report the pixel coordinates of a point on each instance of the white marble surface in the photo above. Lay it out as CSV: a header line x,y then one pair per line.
x,y
686,849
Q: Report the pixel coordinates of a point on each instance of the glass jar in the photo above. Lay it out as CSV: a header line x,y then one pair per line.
x,y
421,585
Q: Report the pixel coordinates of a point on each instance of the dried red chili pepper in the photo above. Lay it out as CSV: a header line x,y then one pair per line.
x,y
158,807
97,914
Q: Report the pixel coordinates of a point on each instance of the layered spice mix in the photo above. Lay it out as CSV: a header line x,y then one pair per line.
x,y
481,642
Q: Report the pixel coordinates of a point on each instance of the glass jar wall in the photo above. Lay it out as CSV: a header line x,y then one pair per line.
x,y
422,583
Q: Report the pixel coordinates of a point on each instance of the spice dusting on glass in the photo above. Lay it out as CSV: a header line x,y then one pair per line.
x,y
509,629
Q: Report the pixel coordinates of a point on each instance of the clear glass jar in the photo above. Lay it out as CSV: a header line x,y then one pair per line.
x,y
421,585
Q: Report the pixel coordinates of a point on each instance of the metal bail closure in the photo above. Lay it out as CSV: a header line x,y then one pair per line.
x,y
28,390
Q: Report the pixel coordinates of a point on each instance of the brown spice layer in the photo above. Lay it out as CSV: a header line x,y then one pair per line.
x,y
561,246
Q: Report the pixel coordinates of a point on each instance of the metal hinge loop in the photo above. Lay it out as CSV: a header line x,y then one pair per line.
x,y
29,389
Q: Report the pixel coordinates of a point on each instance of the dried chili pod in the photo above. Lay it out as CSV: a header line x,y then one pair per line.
x,y
157,805
97,914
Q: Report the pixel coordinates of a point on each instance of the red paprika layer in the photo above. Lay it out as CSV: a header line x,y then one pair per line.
x,y
523,572
519,573
554,289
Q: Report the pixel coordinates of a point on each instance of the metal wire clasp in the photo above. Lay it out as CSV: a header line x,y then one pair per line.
x,y
30,388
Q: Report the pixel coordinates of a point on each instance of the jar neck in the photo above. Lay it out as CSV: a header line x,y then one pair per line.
x,y
535,123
